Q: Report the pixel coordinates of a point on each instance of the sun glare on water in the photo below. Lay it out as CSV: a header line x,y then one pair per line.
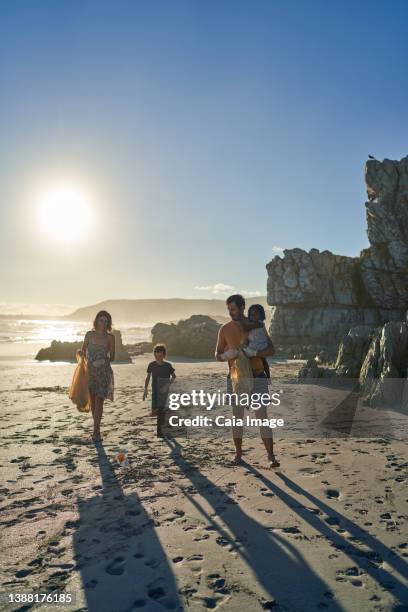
x,y
64,214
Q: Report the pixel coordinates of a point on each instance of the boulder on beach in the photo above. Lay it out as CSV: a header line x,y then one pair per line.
x,y
383,376
351,354
139,348
195,337
353,349
311,371
377,358
66,351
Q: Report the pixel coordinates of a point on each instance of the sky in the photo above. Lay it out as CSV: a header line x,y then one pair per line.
x,y
207,136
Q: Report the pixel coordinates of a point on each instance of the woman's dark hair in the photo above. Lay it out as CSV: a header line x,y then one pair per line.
x,y
103,313
260,309
236,299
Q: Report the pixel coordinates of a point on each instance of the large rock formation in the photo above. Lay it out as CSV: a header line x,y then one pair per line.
x,y
377,359
350,356
383,375
352,351
384,266
195,337
317,297
66,351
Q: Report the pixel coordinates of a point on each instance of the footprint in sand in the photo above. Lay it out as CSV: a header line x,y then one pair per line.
x,y
139,554
23,573
201,537
153,563
116,567
353,574
332,520
291,530
309,471
332,494
217,583
194,563
314,510
19,459
157,592
196,557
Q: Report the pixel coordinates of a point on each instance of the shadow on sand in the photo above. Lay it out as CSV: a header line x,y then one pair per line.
x,y
122,563
368,559
285,576
124,567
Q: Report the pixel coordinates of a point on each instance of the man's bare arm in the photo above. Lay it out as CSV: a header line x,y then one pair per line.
x,y
220,346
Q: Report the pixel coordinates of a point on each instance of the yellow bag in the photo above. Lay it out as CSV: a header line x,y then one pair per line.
x,y
79,390
241,374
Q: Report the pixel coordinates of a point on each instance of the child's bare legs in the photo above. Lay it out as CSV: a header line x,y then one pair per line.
x,y
268,443
97,418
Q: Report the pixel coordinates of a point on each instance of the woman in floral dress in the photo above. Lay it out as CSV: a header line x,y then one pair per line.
x,y
99,349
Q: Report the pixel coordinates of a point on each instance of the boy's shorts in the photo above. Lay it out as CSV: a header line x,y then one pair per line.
x,y
159,400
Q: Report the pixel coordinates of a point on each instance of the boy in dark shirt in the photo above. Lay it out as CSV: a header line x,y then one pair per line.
x,y
162,374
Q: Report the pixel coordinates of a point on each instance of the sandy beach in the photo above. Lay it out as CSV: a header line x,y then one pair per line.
x,y
221,187
183,529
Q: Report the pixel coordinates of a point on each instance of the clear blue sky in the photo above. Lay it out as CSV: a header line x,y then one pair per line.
x,y
208,133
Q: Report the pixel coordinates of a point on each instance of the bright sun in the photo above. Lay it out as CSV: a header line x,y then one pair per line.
x,y
64,213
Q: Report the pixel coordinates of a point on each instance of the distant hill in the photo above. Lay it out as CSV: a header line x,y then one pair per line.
x,y
149,312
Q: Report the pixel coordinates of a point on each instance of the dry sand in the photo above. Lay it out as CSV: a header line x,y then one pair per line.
x,y
183,529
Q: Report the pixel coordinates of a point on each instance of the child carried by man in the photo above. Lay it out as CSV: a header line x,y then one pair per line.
x,y
257,338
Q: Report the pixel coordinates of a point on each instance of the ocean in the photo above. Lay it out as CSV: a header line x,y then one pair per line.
x,y
22,338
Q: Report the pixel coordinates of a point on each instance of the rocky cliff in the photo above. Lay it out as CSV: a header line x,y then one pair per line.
x,y
317,297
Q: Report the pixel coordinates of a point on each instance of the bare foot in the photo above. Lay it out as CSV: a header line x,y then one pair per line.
x,y
237,459
273,462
